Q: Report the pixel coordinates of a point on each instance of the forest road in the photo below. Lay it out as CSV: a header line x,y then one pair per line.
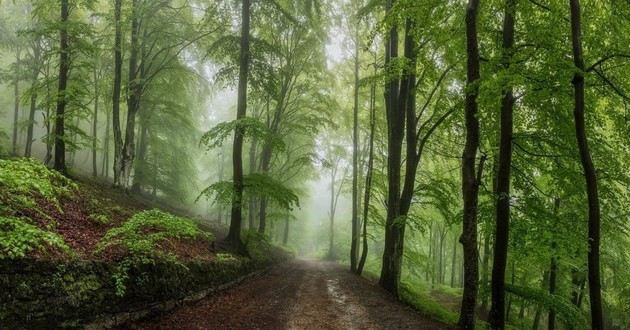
x,y
299,294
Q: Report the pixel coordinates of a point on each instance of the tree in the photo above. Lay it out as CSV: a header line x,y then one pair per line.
x,y
594,282
64,68
234,235
470,184
502,229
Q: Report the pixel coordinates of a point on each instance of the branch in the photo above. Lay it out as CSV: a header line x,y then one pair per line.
x,y
604,59
617,90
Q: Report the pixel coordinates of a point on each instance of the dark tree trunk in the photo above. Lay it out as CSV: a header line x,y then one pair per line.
x,y
470,186
354,244
594,283
31,115
234,234
16,101
140,172
485,261
95,124
553,268
116,93
368,178
497,310
391,265
64,67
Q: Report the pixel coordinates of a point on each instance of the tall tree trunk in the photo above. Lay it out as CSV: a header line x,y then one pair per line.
x,y
95,124
502,230
31,115
105,167
140,172
116,93
470,186
368,176
485,261
64,67
391,265
16,100
234,234
134,95
354,244
594,283
47,119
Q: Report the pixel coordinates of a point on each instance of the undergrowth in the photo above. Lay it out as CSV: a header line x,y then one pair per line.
x,y
18,238
142,237
22,181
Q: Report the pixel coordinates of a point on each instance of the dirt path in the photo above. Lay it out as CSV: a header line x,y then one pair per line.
x,y
302,294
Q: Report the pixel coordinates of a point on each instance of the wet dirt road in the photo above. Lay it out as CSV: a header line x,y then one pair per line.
x,y
301,294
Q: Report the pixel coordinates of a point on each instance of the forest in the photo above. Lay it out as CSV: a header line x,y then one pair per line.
x,y
315,164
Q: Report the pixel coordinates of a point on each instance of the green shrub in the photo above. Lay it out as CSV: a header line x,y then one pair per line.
x,y
141,237
22,180
142,234
18,238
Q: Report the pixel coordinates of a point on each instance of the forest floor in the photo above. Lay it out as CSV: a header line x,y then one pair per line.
x,y
300,294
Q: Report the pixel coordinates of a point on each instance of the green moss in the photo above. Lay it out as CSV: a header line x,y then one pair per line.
x,y
18,238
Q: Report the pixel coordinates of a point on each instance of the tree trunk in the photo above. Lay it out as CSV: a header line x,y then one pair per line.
x,y
64,67
354,244
262,212
252,169
134,95
553,268
594,283
140,172
95,123
234,234
16,100
285,237
391,265
502,230
539,308
454,263
470,186
116,93
105,166
31,115
368,177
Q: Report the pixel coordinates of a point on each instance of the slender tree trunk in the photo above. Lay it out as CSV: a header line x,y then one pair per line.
x,y
262,212
252,169
454,263
95,124
470,186
105,166
16,100
64,67
368,177
285,237
354,244
553,270
116,93
31,115
594,282
485,261
140,172
47,119
496,317
234,234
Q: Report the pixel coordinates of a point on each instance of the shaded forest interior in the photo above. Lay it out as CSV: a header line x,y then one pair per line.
x,y
471,156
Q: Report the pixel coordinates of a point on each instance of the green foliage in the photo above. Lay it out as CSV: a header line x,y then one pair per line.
x,y
143,237
426,305
251,127
255,185
23,180
563,307
18,238
145,231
